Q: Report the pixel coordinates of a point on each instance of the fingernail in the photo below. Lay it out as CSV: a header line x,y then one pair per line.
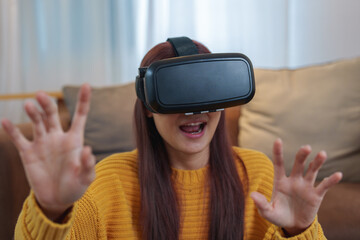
x,y
307,146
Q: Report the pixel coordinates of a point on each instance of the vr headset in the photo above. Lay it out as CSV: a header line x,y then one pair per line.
x,y
194,83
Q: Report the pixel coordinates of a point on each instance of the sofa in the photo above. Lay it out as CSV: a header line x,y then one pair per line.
x,y
317,105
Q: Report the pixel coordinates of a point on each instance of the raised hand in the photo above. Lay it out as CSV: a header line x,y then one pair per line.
x,y
58,167
295,200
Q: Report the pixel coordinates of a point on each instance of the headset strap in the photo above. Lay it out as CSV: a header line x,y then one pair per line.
x,y
183,46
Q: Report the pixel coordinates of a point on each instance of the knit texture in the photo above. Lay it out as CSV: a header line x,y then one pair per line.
x,y
110,208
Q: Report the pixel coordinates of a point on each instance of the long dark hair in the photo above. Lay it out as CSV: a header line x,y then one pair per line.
x,y
160,211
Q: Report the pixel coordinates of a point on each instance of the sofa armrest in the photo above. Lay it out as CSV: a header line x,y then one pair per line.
x,y
13,184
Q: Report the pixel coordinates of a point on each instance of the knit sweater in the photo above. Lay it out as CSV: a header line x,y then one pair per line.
x,y
110,207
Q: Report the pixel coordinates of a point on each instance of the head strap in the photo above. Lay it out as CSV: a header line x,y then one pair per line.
x,y
183,46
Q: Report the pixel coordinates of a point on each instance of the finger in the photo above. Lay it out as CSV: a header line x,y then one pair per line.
x,y
263,206
300,158
50,110
315,166
15,135
279,170
88,163
37,120
82,108
45,121
328,182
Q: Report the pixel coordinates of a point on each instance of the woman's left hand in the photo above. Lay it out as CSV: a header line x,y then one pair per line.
x,y
295,200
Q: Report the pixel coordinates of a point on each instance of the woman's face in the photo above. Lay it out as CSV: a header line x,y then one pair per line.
x,y
186,134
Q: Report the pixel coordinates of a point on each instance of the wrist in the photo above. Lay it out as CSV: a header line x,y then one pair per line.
x,y
291,232
55,214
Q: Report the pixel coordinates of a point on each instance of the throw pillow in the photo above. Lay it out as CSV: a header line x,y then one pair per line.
x,y
109,124
317,105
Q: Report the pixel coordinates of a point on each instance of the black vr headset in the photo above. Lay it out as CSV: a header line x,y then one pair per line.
x,y
193,83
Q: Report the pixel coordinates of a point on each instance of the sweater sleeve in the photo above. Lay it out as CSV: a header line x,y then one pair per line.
x,y
260,175
313,232
80,223
106,209
33,224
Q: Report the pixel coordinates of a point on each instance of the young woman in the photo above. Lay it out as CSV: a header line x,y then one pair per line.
x,y
184,181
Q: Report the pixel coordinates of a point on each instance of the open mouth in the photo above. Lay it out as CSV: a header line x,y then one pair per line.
x,y
193,128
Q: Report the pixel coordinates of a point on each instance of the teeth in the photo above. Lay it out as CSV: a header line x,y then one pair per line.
x,y
193,128
197,131
193,124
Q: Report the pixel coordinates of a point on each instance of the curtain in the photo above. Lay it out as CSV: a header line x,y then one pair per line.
x,y
10,57
46,44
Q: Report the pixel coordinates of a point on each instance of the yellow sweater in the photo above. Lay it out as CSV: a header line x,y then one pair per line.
x,y
110,207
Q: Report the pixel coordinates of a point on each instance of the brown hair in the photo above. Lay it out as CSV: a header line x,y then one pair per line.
x,y
160,212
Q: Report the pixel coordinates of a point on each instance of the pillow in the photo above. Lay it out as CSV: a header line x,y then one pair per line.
x,y
109,124
317,105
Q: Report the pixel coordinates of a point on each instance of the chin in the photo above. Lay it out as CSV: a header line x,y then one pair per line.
x,y
192,148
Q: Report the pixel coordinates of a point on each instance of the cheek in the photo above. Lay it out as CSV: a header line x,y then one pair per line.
x,y
214,119
165,125
164,128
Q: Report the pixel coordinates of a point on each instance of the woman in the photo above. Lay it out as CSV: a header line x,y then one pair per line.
x,y
184,181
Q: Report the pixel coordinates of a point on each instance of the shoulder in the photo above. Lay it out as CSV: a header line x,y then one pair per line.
x,y
115,189
257,166
115,171
253,159
118,163
115,174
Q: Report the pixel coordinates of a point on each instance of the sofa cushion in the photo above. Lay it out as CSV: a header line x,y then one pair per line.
x,y
317,105
109,125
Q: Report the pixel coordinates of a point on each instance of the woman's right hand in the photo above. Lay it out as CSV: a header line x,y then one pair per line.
x,y
58,167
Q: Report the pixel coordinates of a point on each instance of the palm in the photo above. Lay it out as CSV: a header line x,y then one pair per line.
x,y
59,169
295,200
43,175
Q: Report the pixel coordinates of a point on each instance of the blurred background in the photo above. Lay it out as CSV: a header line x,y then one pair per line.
x,y
46,44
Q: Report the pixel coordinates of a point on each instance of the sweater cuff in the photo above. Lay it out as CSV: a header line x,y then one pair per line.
x,y
40,227
314,231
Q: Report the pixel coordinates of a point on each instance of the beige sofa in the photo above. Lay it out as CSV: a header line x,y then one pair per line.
x,y
320,106
317,105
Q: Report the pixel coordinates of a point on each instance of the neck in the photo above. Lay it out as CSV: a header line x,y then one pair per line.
x,y
188,161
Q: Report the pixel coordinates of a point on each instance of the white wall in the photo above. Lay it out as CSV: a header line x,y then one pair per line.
x,y
323,30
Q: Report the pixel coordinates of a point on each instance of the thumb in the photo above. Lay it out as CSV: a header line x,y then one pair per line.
x,y
88,162
263,206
